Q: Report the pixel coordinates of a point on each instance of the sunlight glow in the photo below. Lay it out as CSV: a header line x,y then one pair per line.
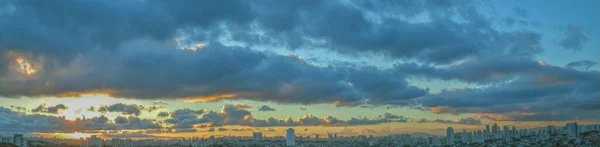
x,y
77,108
23,64
195,47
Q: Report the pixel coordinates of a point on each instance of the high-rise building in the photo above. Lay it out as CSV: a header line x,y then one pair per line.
x,y
257,136
19,140
506,133
514,133
495,128
211,140
94,141
116,142
572,131
487,128
290,137
450,135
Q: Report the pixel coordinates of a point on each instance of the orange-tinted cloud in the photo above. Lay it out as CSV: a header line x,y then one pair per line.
x,y
442,109
106,92
491,116
209,98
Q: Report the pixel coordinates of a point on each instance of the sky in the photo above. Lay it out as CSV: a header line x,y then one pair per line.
x,y
195,68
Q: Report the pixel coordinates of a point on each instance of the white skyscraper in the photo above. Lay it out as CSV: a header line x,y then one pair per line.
x,y
450,136
290,137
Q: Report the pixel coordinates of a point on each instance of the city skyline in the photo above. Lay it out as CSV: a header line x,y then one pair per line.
x,y
170,69
571,134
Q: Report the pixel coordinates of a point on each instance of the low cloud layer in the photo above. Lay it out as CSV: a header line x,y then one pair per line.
x,y
12,121
232,115
52,109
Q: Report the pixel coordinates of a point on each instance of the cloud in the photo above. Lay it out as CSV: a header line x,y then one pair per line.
x,y
232,115
132,122
222,129
265,76
582,65
548,89
52,109
463,121
18,108
574,38
265,108
163,114
510,85
244,106
521,12
125,109
140,52
392,116
515,116
154,108
91,109
184,118
20,122
160,102
111,51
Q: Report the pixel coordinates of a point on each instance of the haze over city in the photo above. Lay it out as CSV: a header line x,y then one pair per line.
x,y
150,69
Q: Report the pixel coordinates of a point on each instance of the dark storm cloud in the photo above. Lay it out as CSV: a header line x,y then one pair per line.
x,y
108,24
66,29
544,83
482,70
52,109
151,71
573,39
265,108
135,71
118,48
12,121
533,88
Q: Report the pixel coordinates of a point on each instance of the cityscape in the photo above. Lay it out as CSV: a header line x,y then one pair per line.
x,y
572,134
299,73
